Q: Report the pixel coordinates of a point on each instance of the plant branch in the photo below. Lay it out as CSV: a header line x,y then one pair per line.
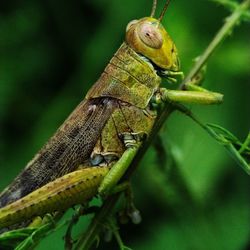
x,y
231,21
232,5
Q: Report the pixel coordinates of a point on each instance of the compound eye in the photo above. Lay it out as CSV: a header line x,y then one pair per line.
x,y
130,24
150,35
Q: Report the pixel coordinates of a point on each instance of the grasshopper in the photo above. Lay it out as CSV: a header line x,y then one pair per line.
x,y
93,148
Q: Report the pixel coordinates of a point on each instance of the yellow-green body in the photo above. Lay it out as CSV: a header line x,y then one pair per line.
x,y
95,136
133,81
117,104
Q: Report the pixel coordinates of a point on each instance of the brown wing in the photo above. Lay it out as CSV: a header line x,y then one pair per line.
x,y
70,146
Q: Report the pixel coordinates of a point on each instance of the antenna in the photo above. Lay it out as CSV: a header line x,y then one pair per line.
x,y
153,8
164,10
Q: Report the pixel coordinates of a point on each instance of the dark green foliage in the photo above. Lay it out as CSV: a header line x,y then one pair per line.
x,y
51,52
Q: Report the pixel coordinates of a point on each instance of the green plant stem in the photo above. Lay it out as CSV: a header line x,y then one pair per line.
x,y
86,240
225,30
232,5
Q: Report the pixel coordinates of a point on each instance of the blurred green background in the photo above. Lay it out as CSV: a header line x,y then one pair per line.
x,y
51,52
